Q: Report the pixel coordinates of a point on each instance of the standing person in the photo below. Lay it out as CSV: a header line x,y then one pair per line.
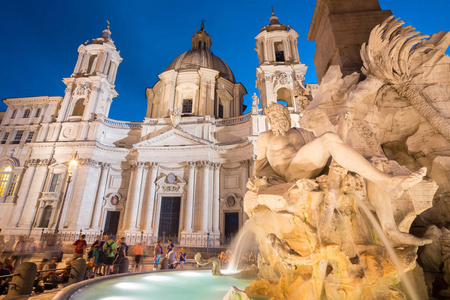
x,y
31,249
121,253
96,242
157,255
105,239
182,259
9,246
20,250
169,246
109,249
172,258
138,253
79,247
97,259
122,241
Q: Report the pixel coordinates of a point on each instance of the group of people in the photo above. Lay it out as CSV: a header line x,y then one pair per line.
x,y
105,255
12,254
174,258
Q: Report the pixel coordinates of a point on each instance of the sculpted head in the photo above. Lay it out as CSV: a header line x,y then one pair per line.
x,y
279,118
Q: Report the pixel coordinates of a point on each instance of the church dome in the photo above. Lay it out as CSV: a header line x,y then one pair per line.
x,y
201,58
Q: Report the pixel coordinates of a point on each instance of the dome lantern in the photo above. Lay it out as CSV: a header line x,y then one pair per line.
x,y
201,40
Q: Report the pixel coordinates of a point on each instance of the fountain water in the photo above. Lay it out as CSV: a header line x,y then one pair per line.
x,y
244,241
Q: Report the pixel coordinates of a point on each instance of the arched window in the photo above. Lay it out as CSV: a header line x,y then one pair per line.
x,y
46,214
91,66
78,110
26,113
5,175
8,181
284,95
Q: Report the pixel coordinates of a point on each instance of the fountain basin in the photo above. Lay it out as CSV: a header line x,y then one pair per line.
x,y
186,284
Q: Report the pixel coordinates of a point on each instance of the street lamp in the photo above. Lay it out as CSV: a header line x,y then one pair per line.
x,y
72,166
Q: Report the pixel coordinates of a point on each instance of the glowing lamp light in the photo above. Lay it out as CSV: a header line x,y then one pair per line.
x,y
73,165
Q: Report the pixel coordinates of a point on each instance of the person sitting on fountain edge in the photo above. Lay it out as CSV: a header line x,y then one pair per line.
x,y
289,154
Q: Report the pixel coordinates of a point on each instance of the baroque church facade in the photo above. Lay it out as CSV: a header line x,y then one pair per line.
x,y
180,173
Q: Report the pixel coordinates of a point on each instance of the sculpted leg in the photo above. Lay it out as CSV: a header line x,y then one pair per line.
x,y
312,156
381,200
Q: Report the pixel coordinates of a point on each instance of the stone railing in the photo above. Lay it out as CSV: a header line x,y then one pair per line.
x,y
121,124
233,121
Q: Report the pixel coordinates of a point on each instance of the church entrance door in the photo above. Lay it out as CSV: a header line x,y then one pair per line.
x,y
169,217
231,226
111,222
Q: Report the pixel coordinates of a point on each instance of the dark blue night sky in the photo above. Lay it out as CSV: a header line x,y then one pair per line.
x,y
39,39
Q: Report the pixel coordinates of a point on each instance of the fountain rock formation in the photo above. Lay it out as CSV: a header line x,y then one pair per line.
x,y
339,230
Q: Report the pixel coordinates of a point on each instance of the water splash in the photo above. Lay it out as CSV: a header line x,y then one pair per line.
x,y
410,290
244,240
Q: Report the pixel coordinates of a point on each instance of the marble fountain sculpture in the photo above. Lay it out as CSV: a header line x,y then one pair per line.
x,y
332,210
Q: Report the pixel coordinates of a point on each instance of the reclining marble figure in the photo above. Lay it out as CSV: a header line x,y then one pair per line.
x,y
289,154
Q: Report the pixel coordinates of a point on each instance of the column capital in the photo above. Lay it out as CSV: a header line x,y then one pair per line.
x,y
191,164
153,164
31,162
205,164
136,165
43,162
105,166
246,162
216,166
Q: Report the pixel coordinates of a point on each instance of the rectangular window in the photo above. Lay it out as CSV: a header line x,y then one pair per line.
x,y
14,114
38,112
5,138
26,113
17,137
54,183
12,188
279,51
29,137
187,106
220,111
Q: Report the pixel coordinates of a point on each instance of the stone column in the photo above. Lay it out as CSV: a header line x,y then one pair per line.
x,y
131,208
206,166
246,165
190,197
216,200
23,191
95,224
36,188
151,198
141,190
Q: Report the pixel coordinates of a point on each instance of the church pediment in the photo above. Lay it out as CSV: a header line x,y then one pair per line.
x,y
173,138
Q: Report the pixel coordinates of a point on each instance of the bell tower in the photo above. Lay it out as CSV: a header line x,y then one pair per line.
x,y
280,74
90,88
